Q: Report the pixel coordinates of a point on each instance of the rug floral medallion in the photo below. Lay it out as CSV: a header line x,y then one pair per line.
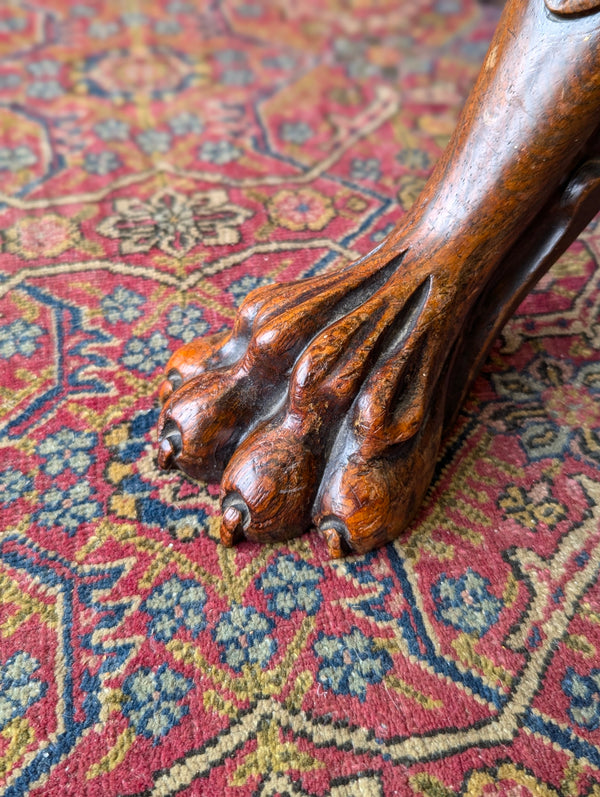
x,y
158,160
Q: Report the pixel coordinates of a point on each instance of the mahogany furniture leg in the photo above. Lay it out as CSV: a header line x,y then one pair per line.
x,y
326,403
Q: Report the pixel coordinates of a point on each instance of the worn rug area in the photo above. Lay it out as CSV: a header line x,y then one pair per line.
x,y
158,160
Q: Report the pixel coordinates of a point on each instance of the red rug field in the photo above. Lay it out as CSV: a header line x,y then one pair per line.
x,y
158,160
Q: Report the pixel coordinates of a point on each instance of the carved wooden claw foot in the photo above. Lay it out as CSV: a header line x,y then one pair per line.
x,y
326,403
320,384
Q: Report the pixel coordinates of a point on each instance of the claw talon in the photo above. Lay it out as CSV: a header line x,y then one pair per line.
x,y
170,443
166,454
175,378
232,526
173,381
334,538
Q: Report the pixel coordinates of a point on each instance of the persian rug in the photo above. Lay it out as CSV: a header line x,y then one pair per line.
x,y
158,160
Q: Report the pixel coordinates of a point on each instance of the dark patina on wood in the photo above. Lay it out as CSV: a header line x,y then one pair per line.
x,y
326,404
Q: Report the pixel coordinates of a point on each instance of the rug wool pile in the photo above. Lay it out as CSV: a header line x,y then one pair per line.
x,y
158,160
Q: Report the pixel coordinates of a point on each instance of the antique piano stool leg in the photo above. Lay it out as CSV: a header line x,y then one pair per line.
x,y
326,403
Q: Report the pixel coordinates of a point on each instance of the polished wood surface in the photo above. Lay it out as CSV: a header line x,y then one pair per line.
x,y
326,404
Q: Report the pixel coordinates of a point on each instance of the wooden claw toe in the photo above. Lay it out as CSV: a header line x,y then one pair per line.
x,y
190,361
